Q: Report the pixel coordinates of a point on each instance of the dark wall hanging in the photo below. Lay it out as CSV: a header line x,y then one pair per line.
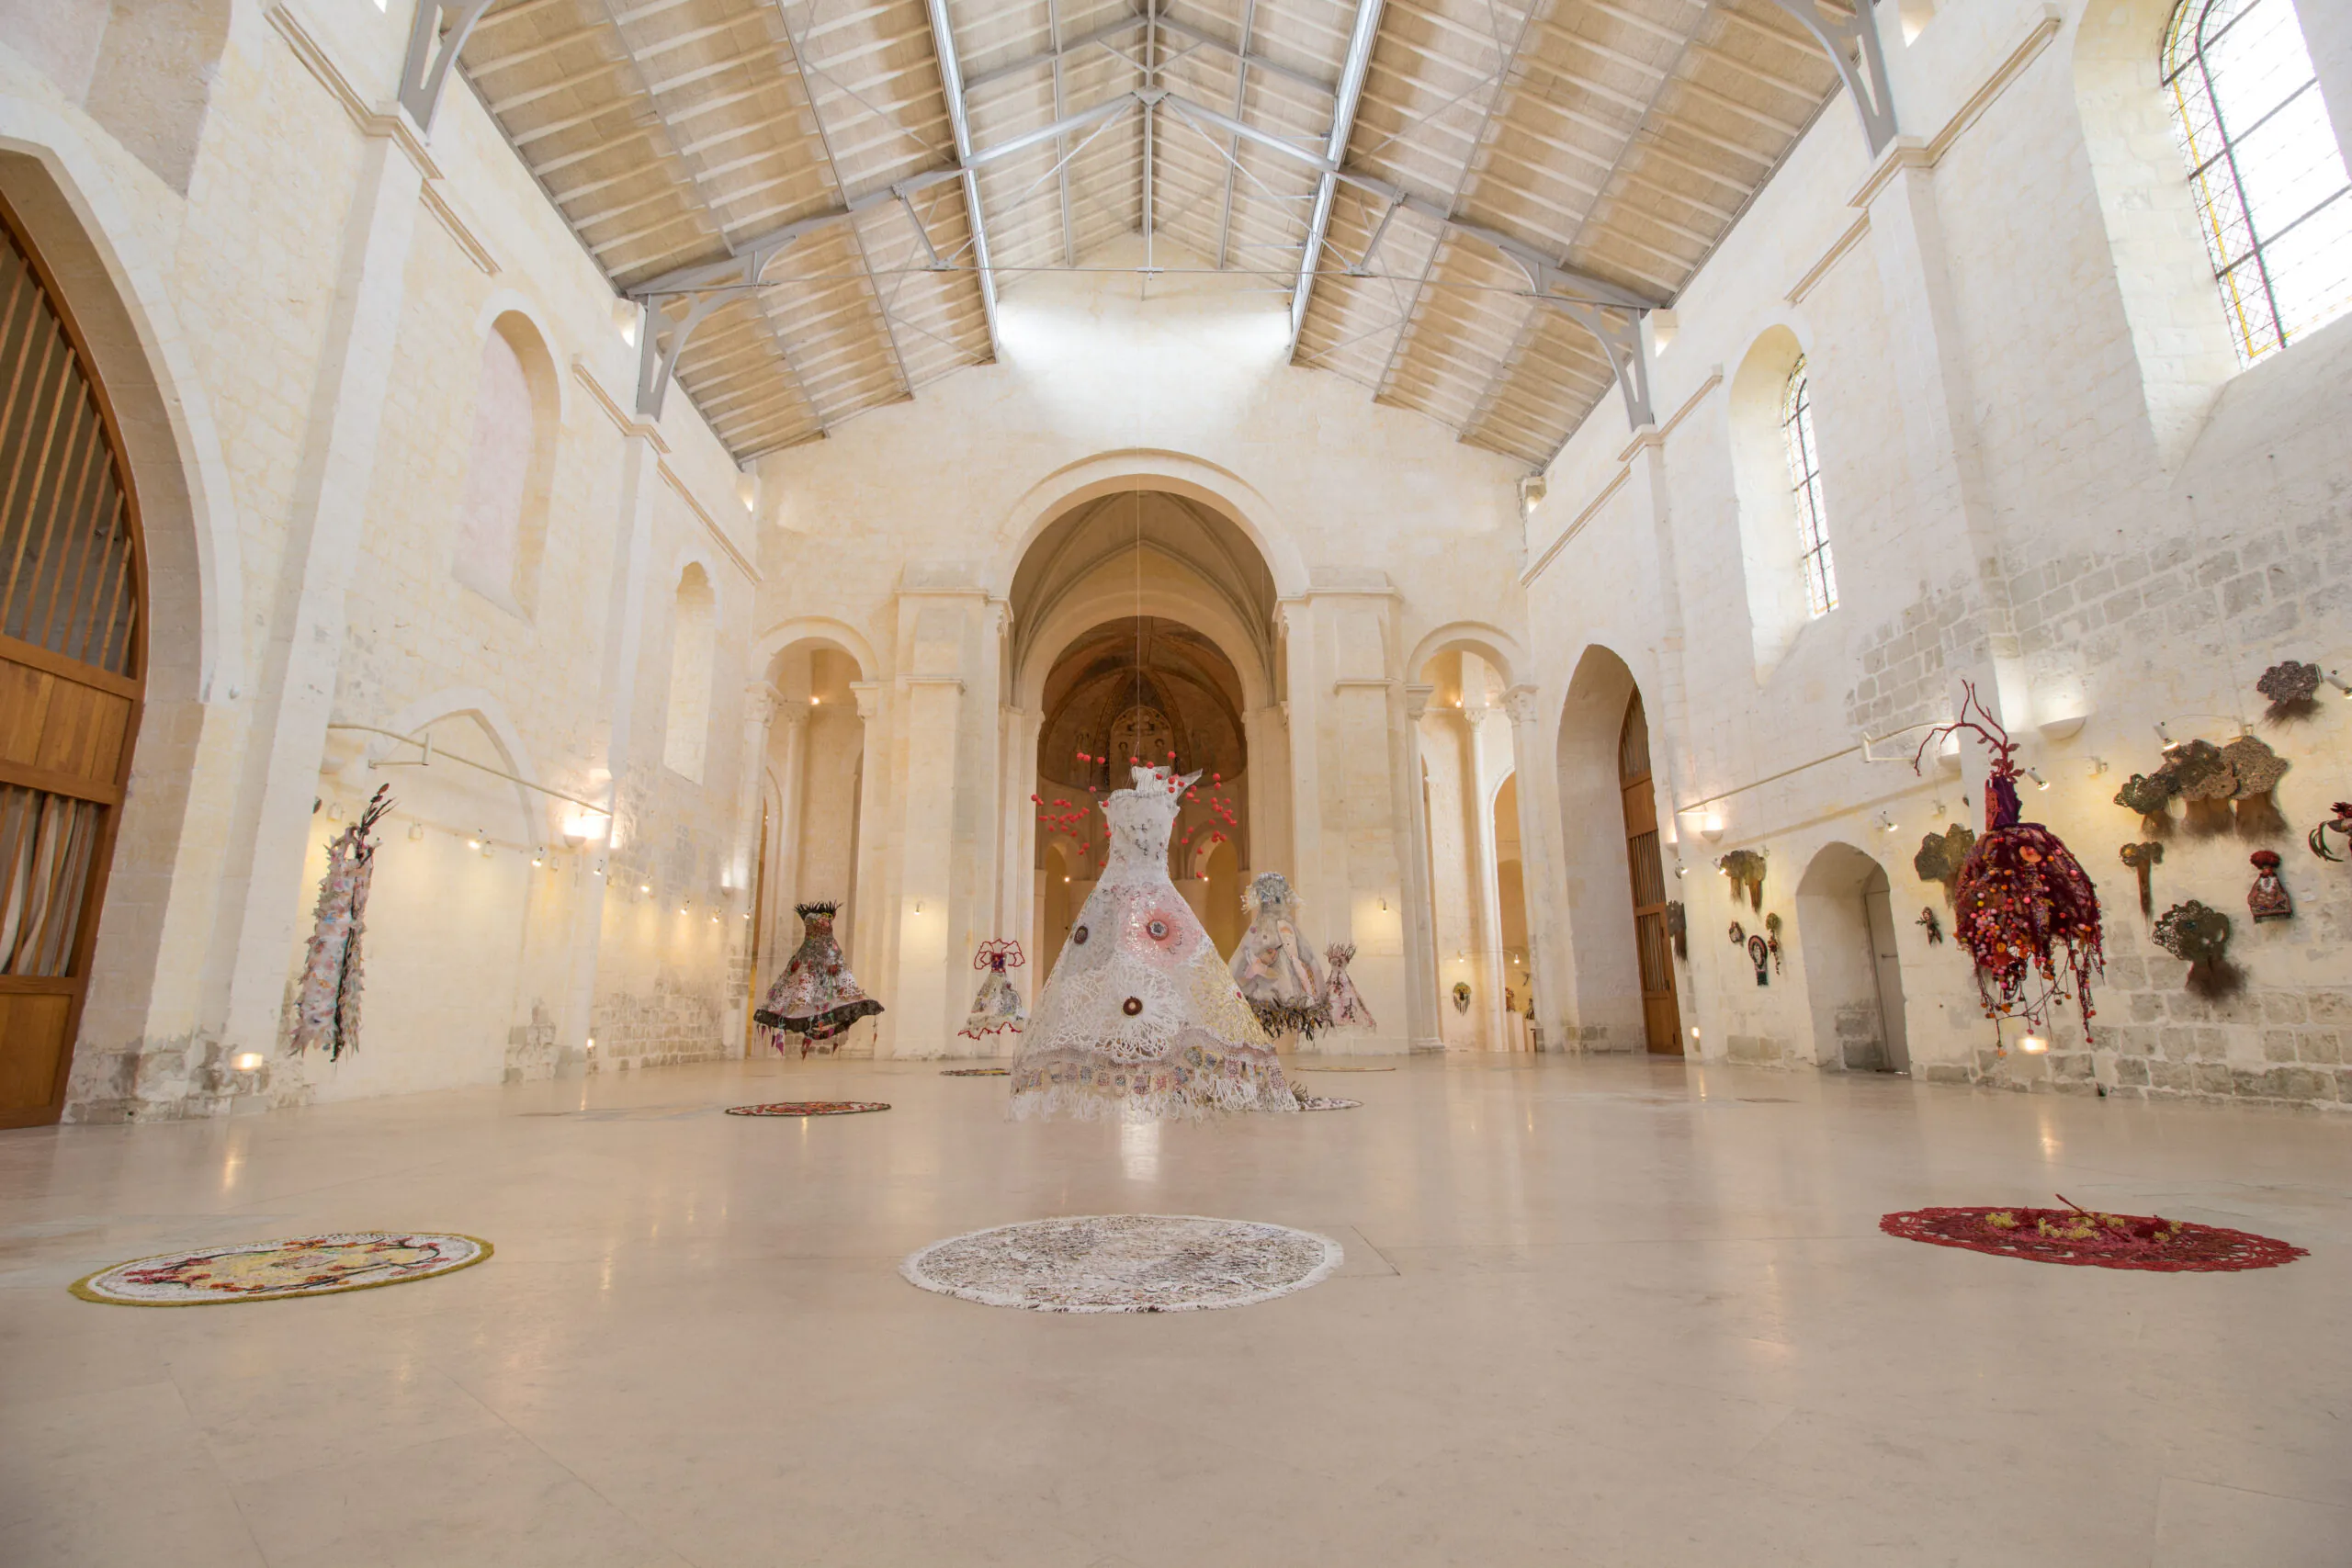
x,y
2291,688
2150,794
2201,935
1940,855
2268,899
2024,908
2144,859
1677,926
1761,956
1932,926
1772,940
1738,934
1744,868
2202,779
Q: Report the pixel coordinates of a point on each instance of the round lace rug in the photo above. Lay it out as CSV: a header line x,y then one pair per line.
x,y
271,1270
1125,1263
976,1072
2091,1240
808,1108
1326,1102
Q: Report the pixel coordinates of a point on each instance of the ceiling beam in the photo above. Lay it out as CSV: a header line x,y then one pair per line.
x,y
1353,68
951,82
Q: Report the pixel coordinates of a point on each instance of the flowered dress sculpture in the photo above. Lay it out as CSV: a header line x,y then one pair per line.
x,y
1139,1020
1340,993
2024,908
997,1007
1275,965
327,1011
816,997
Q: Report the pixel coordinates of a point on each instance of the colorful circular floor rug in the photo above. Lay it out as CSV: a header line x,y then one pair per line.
x,y
1326,1102
808,1108
2090,1240
1125,1263
272,1270
976,1072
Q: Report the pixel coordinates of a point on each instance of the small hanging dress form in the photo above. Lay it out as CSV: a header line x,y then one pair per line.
x,y
1139,1020
997,1007
816,997
1275,967
1340,993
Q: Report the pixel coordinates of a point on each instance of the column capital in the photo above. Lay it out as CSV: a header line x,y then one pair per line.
x,y
1416,700
760,704
869,696
1474,714
1522,701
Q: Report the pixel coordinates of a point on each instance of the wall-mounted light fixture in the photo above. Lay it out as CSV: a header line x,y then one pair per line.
x,y
2039,782
1710,826
246,1061
2340,683
2163,736
2098,766
2033,1044
1884,823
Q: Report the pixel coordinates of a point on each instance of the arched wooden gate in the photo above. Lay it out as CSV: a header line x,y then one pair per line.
x,y
73,666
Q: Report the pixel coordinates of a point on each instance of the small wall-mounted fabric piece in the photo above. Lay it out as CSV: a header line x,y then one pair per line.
x,y
2257,770
1759,955
2268,898
2201,935
2150,794
1772,938
2292,689
2143,859
1738,934
1941,855
2340,825
1744,868
1932,926
1677,926
2206,784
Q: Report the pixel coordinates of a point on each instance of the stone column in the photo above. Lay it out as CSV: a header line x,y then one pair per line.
x,y
294,697
869,902
743,938
1543,873
791,758
924,974
1486,895
1017,880
1422,1001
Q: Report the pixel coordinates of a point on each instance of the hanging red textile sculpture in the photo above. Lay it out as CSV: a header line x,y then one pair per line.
x,y
2025,909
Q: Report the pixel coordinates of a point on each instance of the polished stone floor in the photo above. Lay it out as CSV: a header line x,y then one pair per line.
x,y
1593,1312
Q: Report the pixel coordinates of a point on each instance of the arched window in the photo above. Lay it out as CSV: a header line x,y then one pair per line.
x,y
694,637
1804,489
502,519
2272,196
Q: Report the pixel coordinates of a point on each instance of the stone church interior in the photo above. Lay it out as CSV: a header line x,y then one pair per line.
x,y
1150,782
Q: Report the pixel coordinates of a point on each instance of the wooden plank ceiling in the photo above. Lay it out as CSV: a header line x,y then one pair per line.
x,y
1618,138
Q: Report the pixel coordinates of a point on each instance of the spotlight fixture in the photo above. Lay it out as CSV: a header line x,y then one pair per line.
x,y
2340,683
645,887
2039,782
539,857
1884,823
2163,736
2098,766
1937,809
415,830
473,844
335,811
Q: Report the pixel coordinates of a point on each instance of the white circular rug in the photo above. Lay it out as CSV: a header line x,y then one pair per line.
x,y
1124,1263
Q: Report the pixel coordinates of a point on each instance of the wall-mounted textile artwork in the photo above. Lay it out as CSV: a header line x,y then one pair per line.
x,y
2340,825
1934,928
2200,934
1940,855
2268,898
1744,868
327,1011
2144,859
1759,953
2292,689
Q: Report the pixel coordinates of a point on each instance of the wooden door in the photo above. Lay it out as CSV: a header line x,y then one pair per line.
x,y
1661,1019
72,660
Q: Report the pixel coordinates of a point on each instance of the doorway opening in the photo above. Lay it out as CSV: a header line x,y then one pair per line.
x,y
1661,1014
1853,972
72,672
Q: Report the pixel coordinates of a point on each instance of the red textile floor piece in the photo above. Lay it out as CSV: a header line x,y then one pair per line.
x,y
808,1108
2090,1240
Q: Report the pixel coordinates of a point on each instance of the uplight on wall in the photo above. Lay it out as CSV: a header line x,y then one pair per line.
x,y
627,317
2033,1044
1710,826
246,1061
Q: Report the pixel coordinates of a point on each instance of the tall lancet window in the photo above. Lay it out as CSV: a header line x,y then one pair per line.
x,y
1804,483
2272,196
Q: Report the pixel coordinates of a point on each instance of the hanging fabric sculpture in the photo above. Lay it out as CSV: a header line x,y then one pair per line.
x,y
2020,896
327,1011
816,997
1275,965
2268,898
1139,1020
997,1007
1339,994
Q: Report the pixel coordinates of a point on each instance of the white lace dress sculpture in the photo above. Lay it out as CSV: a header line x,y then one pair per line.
x,y
1140,1020
1275,965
